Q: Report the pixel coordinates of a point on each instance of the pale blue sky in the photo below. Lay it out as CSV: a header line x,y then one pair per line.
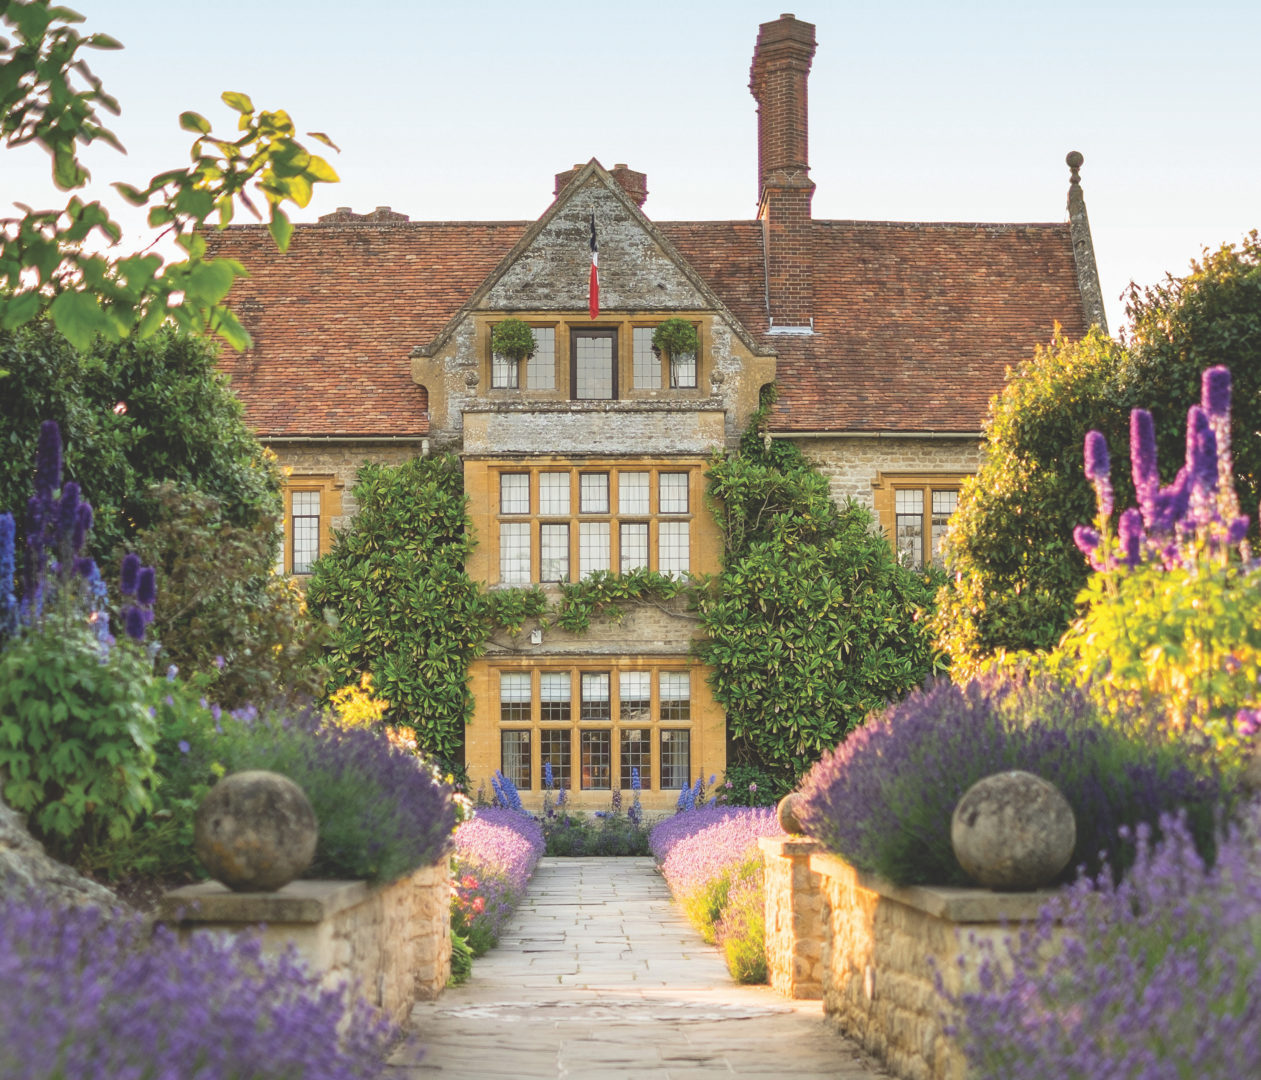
x,y
918,111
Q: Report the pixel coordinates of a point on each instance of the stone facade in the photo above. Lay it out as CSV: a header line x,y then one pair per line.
x,y
392,942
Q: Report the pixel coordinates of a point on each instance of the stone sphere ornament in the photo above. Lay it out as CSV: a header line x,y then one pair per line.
x,y
787,815
255,831
1013,831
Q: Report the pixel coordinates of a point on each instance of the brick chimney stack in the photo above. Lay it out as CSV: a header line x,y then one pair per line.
x,y
635,184
777,79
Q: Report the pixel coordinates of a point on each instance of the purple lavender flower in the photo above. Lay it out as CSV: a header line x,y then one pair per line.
x,y
129,573
8,598
1248,722
697,847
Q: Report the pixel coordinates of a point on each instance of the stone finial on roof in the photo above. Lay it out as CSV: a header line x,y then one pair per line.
x,y
1083,246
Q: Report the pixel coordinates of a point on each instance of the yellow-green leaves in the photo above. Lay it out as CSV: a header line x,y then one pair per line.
x,y
49,96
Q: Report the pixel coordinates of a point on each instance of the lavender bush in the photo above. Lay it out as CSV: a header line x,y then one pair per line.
x,y
496,852
1158,978
382,811
710,859
883,799
91,994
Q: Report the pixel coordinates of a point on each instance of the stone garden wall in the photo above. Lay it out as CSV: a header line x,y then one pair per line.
x,y
879,949
392,941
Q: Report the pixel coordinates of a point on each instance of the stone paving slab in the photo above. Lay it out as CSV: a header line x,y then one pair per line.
x,y
599,977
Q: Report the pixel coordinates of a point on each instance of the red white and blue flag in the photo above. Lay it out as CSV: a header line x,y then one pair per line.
x,y
593,293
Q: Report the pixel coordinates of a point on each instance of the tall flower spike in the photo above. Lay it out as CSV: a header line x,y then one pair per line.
x,y
1098,471
129,577
1215,391
147,586
8,598
82,525
1130,532
1143,462
48,460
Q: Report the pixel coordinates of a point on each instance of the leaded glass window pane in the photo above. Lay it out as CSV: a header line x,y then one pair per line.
x,y
593,547
909,507
674,547
597,753
634,546
675,692
635,753
595,696
676,759
515,757
635,697
647,364
305,517
555,695
673,493
554,552
555,747
944,504
514,493
593,493
514,697
632,493
554,494
593,367
540,369
514,552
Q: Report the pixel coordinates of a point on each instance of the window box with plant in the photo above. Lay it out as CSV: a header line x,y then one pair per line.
x,y
511,341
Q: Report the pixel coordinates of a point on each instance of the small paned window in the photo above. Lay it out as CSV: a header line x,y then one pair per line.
x,y
683,371
594,365
514,493
676,759
593,547
514,552
674,547
505,373
945,503
305,517
595,696
540,369
635,697
553,552
647,363
675,689
593,493
597,753
632,493
633,543
909,507
673,492
554,494
514,697
635,753
555,747
555,697
515,757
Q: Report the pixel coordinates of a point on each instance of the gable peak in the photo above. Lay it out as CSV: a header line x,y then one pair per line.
x,y
635,184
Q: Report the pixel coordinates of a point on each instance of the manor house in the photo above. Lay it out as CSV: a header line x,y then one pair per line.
x,y
884,341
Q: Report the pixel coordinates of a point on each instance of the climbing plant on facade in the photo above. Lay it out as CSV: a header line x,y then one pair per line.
x,y
812,623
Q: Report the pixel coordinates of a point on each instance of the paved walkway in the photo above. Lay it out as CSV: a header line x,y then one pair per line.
x,y
600,976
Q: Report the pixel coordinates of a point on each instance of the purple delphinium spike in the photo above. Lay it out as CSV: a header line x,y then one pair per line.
x,y
1087,539
1201,451
48,460
8,598
1130,531
1143,462
67,515
1237,530
82,525
129,574
134,623
1215,391
147,586
1098,471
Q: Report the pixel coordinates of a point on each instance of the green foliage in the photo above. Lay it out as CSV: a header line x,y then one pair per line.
x,y
1182,644
401,605
160,845
181,424
1010,547
509,609
221,604
605,593
76,737
512,338
812,624
50,98
461,959
676,337
581,836
751,785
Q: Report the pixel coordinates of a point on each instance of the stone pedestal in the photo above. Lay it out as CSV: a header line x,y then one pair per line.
x,y
794,917
391,941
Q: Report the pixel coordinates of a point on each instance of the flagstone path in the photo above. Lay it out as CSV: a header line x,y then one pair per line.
x,y
600,976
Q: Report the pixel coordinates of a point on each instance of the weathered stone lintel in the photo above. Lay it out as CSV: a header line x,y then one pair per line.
x,y
583,429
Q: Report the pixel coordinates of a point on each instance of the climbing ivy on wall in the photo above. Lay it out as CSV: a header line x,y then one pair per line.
x,y
401,606
812,623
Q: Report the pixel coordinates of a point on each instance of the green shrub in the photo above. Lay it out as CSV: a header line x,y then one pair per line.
x,y
461,959
1016,573
76,737
401,604
750,785
512,338
676,337
812,623
579,836
741,928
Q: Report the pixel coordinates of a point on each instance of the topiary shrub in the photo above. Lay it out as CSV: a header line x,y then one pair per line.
x,y
512,338
676,337
883,800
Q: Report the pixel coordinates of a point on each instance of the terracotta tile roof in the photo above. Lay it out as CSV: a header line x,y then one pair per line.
x,y
335,319
915,323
